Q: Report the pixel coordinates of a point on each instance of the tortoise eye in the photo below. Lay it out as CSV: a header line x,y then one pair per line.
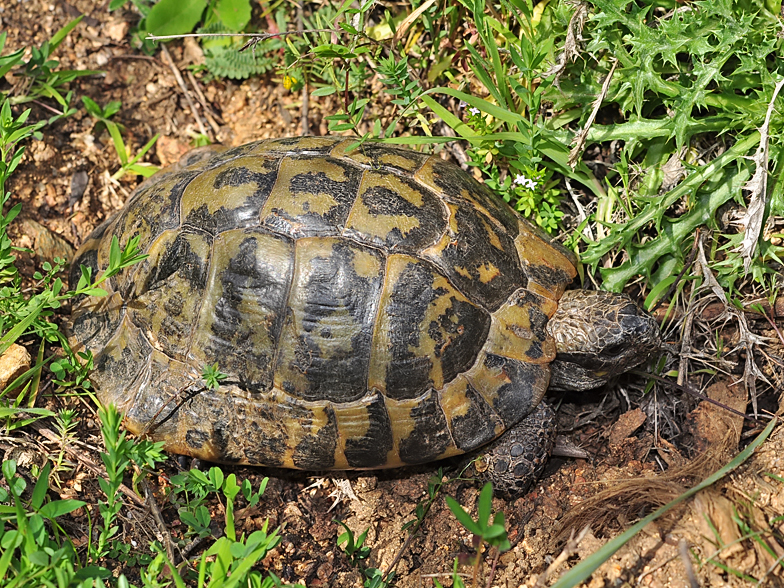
x,y
613,350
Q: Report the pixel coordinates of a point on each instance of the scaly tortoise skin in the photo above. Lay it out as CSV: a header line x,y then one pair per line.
x,y
372,308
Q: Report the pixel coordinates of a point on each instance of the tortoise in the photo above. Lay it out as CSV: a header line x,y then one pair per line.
x,y
372,308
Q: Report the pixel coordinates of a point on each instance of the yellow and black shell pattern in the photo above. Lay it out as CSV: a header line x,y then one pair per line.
x,y
372,308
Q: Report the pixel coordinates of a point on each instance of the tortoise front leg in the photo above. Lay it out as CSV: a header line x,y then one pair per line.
x,y
517,458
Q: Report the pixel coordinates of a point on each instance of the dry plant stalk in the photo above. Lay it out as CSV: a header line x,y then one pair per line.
x,y
569,549
747,339
626,498
757,185
579,139
573,32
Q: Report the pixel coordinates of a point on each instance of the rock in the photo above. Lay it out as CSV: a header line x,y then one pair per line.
x,y
45,243
13,363
627,424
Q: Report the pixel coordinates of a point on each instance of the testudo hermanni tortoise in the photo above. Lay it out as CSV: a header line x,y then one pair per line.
x,y
372,308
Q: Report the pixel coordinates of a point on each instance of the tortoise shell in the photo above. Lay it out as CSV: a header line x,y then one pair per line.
x,y
372,308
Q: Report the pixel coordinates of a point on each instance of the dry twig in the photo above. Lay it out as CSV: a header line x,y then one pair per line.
x,y
757,185
579,140
569,549
167,58
163,532
573,32
747,339
88,463
204,105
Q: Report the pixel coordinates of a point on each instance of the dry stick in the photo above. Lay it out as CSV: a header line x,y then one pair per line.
x,y
683,550
569,549
770,570
401,551
492,569
304,109
410,538
455,148
683,362
747,339
579,140
345,94
255,38
570,51
170,62
772,322
163,532
130,56
203,101
403,27
757,186
47,107
305,91
696,393
655,569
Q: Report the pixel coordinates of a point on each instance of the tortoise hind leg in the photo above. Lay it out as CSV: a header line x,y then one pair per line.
x,y
517,458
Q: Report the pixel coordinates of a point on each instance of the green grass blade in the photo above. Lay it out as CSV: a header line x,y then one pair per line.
x,y
588,566
18,330
63,33
450,119
483,105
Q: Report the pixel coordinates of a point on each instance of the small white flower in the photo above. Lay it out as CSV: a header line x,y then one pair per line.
x,y
474,110
133,543
462,105
530,184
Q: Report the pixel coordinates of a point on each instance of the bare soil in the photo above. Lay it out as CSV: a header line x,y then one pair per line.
x,y
64,186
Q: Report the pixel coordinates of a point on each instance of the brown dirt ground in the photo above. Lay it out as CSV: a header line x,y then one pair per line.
x,y
63,184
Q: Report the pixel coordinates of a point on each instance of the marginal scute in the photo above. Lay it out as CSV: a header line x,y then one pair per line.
x,y
96,321
549,269
169,288
316,450
518,329
472,421
148,214
88,252
121,367
511,387
365,432
419,428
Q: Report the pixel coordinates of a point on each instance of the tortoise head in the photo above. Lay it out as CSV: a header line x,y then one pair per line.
x,y
598,335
